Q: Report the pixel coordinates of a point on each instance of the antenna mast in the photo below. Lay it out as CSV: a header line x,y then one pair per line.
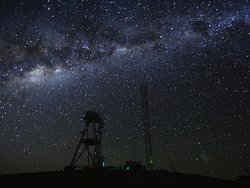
x,y
147,132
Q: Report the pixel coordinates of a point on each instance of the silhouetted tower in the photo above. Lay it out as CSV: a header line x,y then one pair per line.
x,y
147,131
90,141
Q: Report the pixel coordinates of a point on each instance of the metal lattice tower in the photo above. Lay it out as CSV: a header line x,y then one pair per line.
x,y
147,131
90,142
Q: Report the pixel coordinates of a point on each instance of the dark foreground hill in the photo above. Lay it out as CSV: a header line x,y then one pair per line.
x,y
114,178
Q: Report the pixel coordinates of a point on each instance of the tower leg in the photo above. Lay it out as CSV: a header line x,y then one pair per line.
x,y
75,154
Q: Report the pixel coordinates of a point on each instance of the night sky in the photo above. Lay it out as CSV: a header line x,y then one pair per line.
x,y
59,59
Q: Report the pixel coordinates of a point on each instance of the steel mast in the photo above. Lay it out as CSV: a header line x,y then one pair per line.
x,y
147,131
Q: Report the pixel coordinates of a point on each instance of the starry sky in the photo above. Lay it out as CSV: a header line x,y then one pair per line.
x,y
59,59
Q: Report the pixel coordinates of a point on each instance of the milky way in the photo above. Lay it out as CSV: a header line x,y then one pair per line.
x,y
59,59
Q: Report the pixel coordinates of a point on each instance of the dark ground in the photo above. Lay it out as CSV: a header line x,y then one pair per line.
x,y
114,178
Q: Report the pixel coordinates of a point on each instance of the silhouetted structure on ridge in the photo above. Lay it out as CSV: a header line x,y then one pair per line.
x,y
89,143
133,165
147,132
